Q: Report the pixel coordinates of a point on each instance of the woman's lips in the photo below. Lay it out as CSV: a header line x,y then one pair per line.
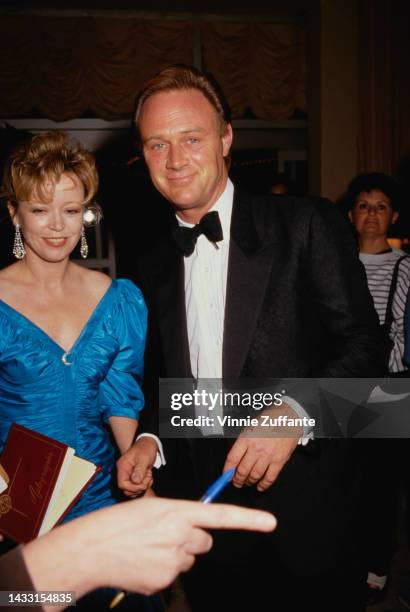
x,y
55,242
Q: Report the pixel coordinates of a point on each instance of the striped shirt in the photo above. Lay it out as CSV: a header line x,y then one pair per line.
x,y
379,271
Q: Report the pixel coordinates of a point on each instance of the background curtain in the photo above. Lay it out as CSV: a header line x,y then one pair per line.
x,y
64,67
384,86
260,67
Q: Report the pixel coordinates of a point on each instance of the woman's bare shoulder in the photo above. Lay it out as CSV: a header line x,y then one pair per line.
x,y
9,272
9,280
95,282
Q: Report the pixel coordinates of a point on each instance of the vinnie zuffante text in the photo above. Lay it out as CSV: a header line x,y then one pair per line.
x,y
263,420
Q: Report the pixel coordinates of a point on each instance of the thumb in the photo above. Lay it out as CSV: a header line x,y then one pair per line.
x,y
141,469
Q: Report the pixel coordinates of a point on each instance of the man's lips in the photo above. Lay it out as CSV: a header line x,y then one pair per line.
x,y
180,179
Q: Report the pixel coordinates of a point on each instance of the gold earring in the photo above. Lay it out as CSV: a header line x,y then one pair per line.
x,y
18,247
83,245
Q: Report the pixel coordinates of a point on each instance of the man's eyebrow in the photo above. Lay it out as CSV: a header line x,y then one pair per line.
x,y
198,129
187,131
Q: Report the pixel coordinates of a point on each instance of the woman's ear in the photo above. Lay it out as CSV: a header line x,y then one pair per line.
x,y
12,212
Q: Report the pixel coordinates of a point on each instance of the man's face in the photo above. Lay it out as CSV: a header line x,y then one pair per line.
x,y
184,150
372,214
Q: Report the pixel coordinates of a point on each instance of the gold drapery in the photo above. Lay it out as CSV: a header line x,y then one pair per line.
x,y
260,67
64,67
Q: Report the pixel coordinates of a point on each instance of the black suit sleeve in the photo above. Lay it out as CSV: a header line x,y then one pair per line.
x,y
149,419
358,347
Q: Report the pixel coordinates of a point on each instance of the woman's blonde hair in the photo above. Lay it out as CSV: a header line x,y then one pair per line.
x,y
43,159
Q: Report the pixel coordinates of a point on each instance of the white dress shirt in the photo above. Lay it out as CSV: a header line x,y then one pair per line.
x,y
205,275
205,292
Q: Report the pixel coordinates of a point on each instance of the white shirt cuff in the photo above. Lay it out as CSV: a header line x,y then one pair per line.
x,y
160,458
301,412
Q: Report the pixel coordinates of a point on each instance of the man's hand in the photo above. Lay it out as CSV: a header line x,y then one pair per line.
x,y
134,468
259,459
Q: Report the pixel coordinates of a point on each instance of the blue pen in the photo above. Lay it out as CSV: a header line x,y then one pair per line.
x,y
210,494
217,487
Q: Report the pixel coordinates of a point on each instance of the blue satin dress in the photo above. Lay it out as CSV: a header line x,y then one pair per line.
x,y
70,396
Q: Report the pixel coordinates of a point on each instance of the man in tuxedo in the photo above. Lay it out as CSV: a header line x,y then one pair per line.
x,y
251,287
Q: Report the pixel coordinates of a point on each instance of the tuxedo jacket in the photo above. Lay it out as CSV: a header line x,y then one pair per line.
x,y
297,302
297,305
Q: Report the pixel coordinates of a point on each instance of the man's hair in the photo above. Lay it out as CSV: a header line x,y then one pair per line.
x,y
43,159
369,181
180,77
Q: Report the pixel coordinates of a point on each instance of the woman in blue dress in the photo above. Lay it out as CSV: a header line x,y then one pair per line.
x,y
71,339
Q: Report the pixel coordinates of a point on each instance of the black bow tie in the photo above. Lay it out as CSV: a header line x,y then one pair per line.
x,y
209,225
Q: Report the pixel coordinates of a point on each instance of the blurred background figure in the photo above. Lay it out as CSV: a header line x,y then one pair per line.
x,y
282,184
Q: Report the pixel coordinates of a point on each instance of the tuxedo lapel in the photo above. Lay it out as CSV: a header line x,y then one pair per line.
x,y
251,264
172,314
249,270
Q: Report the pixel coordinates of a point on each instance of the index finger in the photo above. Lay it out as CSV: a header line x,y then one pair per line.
x,y
225,516
235,455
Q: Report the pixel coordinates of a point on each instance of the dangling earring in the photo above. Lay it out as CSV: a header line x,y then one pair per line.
x,y
83,245
18,247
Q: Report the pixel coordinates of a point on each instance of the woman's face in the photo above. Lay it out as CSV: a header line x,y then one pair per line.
x,y
372,214
52,229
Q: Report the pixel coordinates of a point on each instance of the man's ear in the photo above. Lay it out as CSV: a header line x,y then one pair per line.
x,y
350,215
13,213
227,139
394,218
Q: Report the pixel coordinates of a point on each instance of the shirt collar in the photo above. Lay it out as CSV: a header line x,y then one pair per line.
x,y
223,206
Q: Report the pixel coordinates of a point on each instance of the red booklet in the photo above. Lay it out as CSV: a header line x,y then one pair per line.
x,y
45,479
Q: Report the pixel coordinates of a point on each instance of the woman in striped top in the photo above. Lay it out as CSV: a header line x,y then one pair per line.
x,y
372,199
